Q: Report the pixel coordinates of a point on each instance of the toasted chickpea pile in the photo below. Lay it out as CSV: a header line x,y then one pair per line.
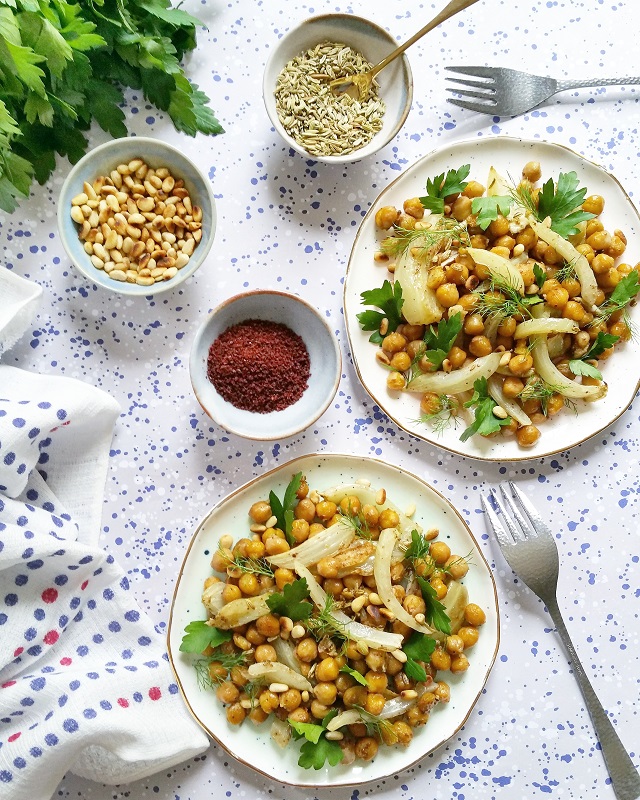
x,y
458,283
344,576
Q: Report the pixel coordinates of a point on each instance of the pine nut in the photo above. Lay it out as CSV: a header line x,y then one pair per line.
x,y
411,510
374,599
381,496
118,275
77,215
144,281
98,263
362,648
79,199
182,259
278,688
188,246
358,604
409,694
419,618
334,736
400,656
170,273
498,411
271,521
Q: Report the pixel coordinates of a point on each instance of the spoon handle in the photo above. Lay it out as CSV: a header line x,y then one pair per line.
x,y
448,11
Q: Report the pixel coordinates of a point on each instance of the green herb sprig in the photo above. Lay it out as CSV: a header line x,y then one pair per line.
x,y
283,509
291,601
389,300
198,636
482,404
444,185
487,209
419,647
581,366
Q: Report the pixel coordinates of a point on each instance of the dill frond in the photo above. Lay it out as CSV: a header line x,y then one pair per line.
x,y
443,417
374,725
228,662
566,272
256,566
523,196
428,241
511,304
323,624
358,524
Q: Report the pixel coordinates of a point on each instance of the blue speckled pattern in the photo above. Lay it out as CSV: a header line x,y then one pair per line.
x,y
285,222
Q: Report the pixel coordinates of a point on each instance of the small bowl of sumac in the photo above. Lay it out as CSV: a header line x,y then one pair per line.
x,y
265,365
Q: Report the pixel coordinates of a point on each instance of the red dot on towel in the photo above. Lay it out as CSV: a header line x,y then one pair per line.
x,y
123,702
84,585
51,637
50,595
65,661
17,651
7,684
155,693
14,736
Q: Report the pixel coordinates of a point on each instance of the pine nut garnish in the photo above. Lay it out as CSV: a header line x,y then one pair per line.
x,y
121,216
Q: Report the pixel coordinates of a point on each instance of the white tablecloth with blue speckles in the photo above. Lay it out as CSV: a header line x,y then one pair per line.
x,y
286,222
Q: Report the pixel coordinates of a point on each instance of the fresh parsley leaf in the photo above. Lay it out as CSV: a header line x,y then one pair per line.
x,y
358,676
540,275
198,636
603,341
418,647
487,209
444,185
315,755
311,732
562,203
388,298
435,614
283,511
625,291
441,340
291,601
482,404
581,366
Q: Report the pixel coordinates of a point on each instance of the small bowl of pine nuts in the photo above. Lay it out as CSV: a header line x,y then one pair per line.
x,y
136,216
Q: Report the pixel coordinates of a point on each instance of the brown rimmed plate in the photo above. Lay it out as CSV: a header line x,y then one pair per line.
x,y
508,155
252,745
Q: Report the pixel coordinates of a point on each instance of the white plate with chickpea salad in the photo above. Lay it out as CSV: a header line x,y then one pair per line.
x,y
342,648
513,361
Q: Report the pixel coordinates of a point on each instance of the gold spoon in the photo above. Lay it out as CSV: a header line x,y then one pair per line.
x,y
357,86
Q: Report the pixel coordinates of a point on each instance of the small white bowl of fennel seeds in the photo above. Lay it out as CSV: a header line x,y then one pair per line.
x,y
300,104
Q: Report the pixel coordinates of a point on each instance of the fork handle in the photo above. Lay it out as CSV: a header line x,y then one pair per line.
x,y
624,777
564,85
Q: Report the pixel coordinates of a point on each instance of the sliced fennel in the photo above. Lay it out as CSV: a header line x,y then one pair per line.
x,y
460,380
552,376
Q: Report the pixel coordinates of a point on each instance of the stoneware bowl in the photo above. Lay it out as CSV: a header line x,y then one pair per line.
x,y
324,355
101,161
396,81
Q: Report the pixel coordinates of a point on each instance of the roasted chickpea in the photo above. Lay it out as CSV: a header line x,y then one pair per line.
x,y
268,625
412,332
269,701
456,273
396,381
473,189
393,343
473,324
456,357
480,346
366,748
248,584
355,696
305,509
371,515
413,207
257,715
388,518
430,403
527,238
386,217
374,703
376,681
574,310
468,635
300,530
401,361
307,650
318,709
230,593
557,297
532,171
254,637
507,327
439,552
440,659
290,700
236,714
593,225
572,285
461,208
520,363
300,715
439,586
506,241
227,692
447,294
275,545
457,567
260,512
436,278
283,576
602,263
512,387
600,240
617,246
442,691
499,227
459,663
454,644
333,586
414,604
221,558
327,669
594,204
528,435
266,652
325,509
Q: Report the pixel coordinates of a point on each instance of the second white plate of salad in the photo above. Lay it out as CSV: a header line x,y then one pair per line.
x,y
563,428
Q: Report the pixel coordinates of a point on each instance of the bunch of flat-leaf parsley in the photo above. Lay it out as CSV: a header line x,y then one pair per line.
x,y
63,64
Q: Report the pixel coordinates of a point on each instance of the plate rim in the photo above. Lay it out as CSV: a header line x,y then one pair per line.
x,y
347,322
353,458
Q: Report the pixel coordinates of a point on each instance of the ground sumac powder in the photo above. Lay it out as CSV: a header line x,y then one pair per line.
x,y
259,366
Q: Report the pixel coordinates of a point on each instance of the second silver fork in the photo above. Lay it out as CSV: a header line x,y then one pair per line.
x,y
529,548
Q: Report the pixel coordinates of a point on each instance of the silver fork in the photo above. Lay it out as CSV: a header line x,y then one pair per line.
x,y
508,92
530,550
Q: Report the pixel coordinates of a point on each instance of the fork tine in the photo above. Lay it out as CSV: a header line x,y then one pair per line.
x,y
477,72
494,523
514,530
482,108
525,524
538,523
477,84
489,96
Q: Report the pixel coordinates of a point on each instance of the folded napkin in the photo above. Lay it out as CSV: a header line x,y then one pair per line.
x,y
85,684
